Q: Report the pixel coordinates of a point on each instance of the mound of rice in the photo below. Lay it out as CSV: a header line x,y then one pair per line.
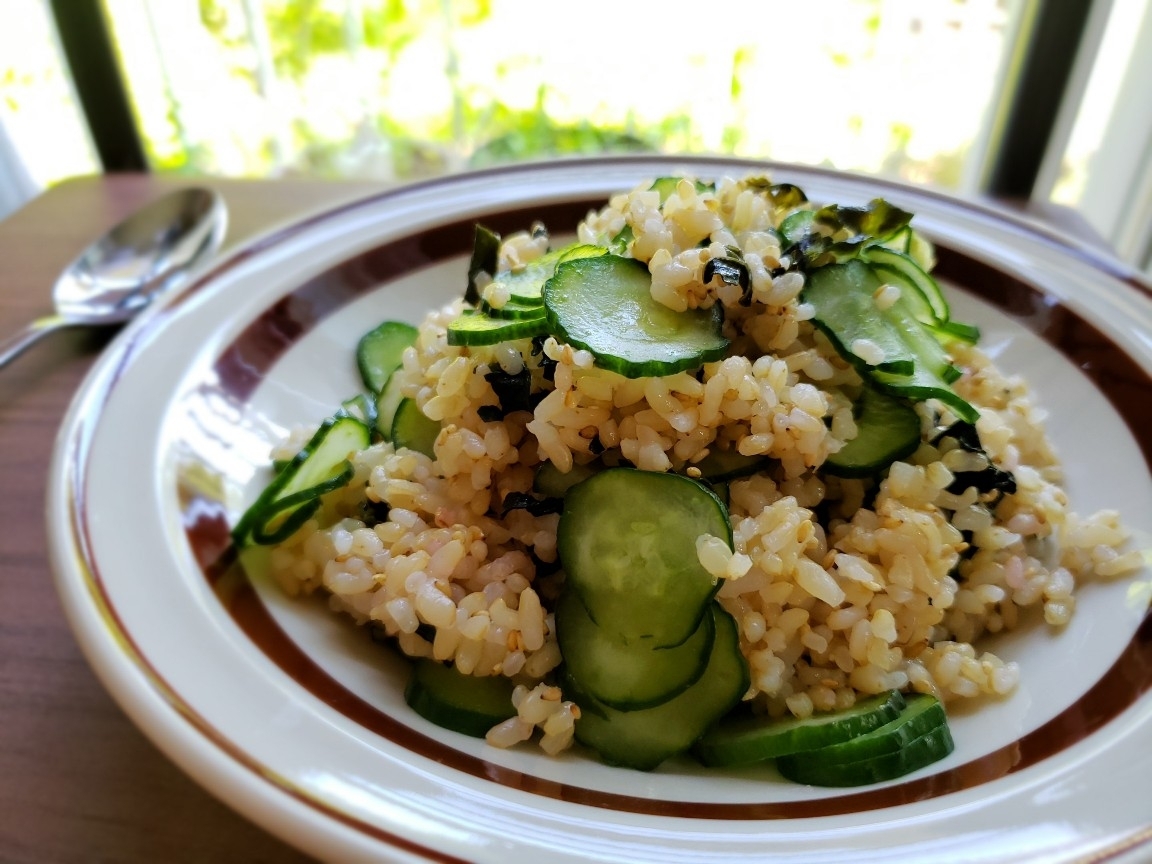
x,y
841,588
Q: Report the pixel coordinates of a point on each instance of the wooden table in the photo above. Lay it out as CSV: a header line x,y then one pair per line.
x,y
78,782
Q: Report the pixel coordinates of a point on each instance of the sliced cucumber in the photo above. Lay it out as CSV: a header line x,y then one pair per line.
x,y
842,296
796,226
750,739
913,297
380,350
898,267
626,675
948,330
667,185
515,309
525,285
551,482
627,541
723,492
900,239
887,429
362,406
485,255
323,465
604,304
476,328
919,736
386,404
413,429
720,465
644,738
579,250
463,703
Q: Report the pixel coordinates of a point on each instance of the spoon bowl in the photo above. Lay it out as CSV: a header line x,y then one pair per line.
x,y
120,274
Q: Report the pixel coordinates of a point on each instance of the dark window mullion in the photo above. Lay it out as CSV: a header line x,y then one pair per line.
x,y
1049,54
91,56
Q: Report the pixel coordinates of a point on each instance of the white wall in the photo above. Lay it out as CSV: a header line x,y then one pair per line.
x,y
16,184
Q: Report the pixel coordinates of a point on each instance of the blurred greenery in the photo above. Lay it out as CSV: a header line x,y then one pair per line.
x,y
302,33
402,89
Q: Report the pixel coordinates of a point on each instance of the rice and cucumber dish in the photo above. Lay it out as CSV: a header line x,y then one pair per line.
x,y
717,477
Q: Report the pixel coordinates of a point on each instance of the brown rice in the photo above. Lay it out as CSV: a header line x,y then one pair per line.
x,y
880,590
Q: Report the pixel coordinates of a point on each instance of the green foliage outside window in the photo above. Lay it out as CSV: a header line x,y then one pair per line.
x,y
401,89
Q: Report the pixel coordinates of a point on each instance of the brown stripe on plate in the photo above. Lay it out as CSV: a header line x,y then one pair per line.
x,y
1128,678
206,513
244,363
1114,373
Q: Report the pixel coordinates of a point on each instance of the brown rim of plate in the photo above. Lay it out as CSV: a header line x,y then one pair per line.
x,y
243,363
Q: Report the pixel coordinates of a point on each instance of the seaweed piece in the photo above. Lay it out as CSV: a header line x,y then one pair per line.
x,y
812,235
988,480
547,364
485,255
731,271
373,512
875,220
786,196
535,506
513,391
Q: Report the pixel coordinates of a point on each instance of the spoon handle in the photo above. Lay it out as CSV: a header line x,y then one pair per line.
x,y
12,346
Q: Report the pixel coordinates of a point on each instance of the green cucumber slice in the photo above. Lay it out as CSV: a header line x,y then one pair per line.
x,y
514,309
525,284
887,429
917,737
623,675
463,703
476,328
748,739
644,738
627,542
899,240
379,352
386,404
667,185
485,255
362,406
796,226
842,297
413,429
912,296
956,330
551,482
604,305
578,250
321,466
900,269
918,753
721,465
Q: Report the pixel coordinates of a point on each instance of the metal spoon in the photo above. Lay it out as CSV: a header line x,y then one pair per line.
x,y
121,273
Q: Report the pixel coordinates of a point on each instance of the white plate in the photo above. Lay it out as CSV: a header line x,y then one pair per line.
x,y
297,720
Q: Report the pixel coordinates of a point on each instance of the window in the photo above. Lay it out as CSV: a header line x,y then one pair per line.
x,y
1103,165
43,136
397,89
964,95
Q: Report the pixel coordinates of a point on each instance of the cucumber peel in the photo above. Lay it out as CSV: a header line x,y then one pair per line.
x,y
750,739
627,541
605,305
